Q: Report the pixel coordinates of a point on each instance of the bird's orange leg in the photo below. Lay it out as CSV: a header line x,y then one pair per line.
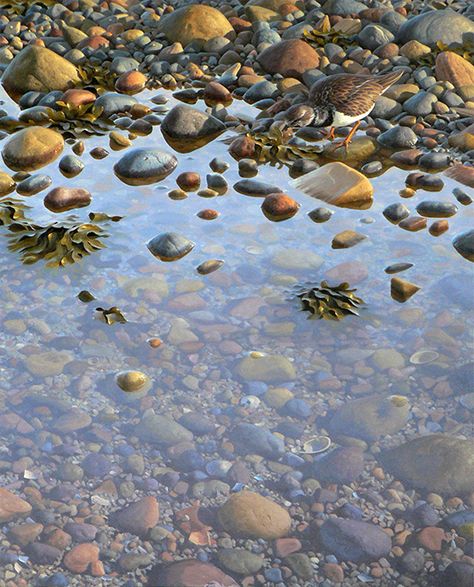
x,y
331,134
346,142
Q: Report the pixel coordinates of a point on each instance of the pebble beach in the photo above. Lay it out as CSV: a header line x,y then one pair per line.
x,y
235,354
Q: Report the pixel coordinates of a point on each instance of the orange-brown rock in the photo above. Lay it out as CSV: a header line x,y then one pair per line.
x,y
94,42
130,82
278,207
82,558
242,148
137,518
248,514
216,93
78,97
290,58
23,534
12,506
454,68
189,181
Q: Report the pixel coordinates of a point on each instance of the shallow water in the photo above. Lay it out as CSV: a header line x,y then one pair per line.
x,y
247,305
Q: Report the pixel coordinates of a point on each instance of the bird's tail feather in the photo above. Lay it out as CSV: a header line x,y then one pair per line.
x,y
389,79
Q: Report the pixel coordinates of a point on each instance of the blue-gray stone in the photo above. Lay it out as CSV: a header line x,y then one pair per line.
x,y
33,184
432,26
343,7
374,35
354,540
436,209
255,439
464,244
113,103
420,104
170,246
398,137
123,64
143,166
260,91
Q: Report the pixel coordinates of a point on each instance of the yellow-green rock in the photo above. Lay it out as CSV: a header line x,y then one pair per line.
x,y
268,368
131,381
196,22
38,69
32,148
250,515
47,364
276,397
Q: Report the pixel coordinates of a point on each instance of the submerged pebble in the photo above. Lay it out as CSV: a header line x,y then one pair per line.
x,y
143,166
170,246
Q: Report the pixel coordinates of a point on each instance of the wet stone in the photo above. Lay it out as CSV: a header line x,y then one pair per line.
x,y
398,267
170,246
347,239
439,227
395,213
320,215
137,518
240,561
62,199
256,439
143,166
398,137
413,223
402,290
341,465
464,244
209,266
70,166
425,181
253,187
436,209
189,181
354,540
96,465
33,185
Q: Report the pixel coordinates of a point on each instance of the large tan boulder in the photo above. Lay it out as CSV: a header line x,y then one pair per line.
x,y
453,68
290,58
12,506
32,148
39,69
250,515
197,22
337,184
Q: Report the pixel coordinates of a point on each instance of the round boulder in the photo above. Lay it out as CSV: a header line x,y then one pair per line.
x,y
38,69
143,166
290,58
32,148
250,515
430,27
196,22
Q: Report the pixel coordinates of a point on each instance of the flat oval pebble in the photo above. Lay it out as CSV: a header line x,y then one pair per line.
x,y
170,246
436,209
209,266
33,185
425,181
320,215
398,267
143,166
62,199
253,187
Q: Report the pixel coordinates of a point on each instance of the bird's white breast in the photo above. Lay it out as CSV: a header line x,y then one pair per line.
x,y
341,119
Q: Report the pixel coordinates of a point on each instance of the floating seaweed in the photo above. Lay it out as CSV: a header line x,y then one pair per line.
x,y
21,6
330,302
12,210
112,315
273,147
60,243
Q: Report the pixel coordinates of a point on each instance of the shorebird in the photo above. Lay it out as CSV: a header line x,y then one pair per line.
x,y
339,100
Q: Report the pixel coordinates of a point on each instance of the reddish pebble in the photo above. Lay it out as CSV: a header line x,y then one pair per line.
x,y
154,342
208,214
431,538
439,227
77,97
189,181
285,546
81,558
278,207
333,572
130,82
216,93
413,223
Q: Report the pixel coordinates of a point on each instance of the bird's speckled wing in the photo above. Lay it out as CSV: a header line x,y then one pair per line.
x,y
351,95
